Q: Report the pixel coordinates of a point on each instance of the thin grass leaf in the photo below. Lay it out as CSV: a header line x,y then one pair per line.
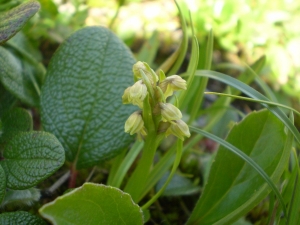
x,y
247,159
294,206
252,93
126,164
183,46
175,165
254,100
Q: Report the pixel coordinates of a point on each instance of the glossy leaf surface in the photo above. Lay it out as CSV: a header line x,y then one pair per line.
x,y
13,20
93,204
233,187
20,218
31,157
81,99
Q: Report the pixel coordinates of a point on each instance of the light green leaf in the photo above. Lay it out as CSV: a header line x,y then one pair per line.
x,y
20,218
31,157
233,187
15,80
12,122
13,20
2,183
93,204
81,100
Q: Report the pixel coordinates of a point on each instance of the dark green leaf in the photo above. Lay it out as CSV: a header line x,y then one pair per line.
x,y
233,187
31,57
13,122
31,157
15,80
13,20
20,218
93,204
7,100
81,99
2,183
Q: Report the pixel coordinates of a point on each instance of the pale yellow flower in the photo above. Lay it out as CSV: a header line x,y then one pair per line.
x,y
171,84
178,128
169,112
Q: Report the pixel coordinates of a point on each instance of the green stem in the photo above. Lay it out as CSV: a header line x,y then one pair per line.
x,y
175,165
138,179
125,164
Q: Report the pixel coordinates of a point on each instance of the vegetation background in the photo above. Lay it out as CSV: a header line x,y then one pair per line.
x,y
243,32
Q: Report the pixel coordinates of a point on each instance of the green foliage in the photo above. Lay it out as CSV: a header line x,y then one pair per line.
x,y
13,20
233,188
30,157
73,110
14,79
13,122
93,204
2,183
254,28
20,218
80,100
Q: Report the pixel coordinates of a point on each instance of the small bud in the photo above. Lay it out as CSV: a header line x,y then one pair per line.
x,y
125,97
135,124
179,128
171,84
169,112
146,69
137,93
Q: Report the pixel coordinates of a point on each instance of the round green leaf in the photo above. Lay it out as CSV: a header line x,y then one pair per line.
x,y
13,20
13,122
81,100
20,218
2,183
93,204
30,158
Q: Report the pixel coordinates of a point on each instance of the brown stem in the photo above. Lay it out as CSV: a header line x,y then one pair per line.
x,y
73,175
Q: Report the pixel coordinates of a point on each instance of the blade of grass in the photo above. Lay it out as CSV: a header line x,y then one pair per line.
x,y
197,102
127,162
294,205
252,93
149,50
247,159
190,72
183,46
175,165
254,100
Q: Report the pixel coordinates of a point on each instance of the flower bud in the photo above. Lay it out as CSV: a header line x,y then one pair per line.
x,y
169,112
135,124
137,93
146,69
125,97
179,128
171,84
